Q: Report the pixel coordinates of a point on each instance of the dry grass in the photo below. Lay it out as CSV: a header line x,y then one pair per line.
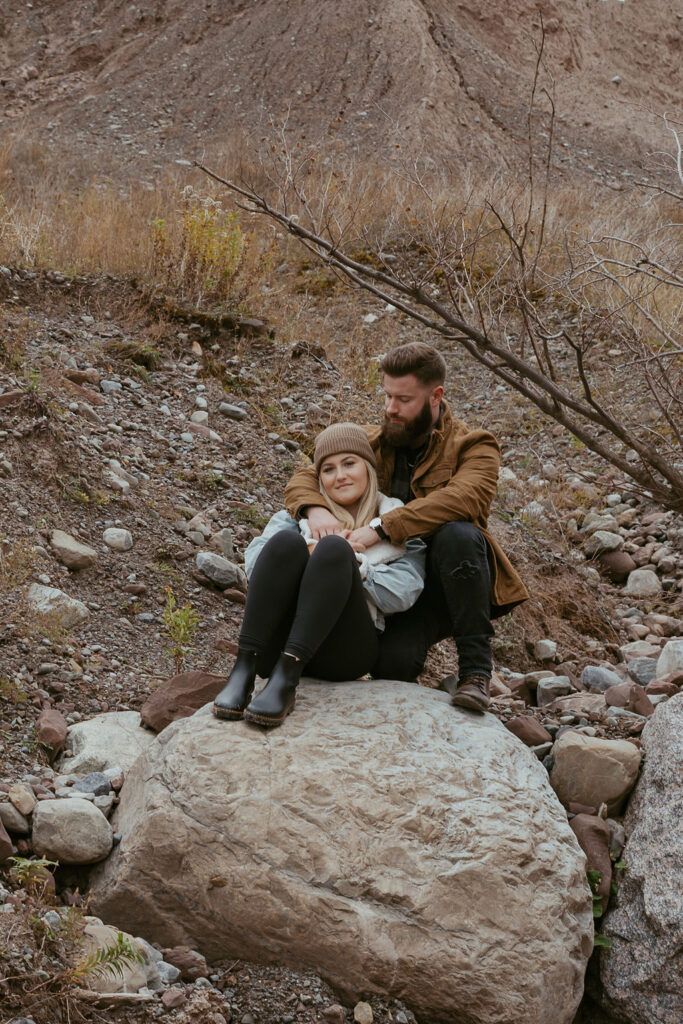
x,y
188,238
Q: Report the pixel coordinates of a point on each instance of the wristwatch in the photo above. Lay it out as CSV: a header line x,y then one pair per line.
x,y
376,525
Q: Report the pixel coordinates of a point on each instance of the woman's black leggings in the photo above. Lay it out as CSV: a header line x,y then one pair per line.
x,y
312,606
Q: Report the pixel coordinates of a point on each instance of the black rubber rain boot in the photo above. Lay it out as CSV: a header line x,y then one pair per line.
x,y
236,694
272,705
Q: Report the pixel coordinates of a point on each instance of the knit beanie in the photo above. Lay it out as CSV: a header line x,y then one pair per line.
x,y
342,437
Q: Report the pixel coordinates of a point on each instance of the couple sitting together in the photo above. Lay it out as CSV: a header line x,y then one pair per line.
x,y
383,551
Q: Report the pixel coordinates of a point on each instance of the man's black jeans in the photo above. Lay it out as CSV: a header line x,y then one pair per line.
x,y
455,602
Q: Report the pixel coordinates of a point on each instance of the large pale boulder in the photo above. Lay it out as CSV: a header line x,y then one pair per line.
x,y
220,571
671,658
380,836
642,981
55,607
71,831
128,976
589,770
111,740
643,583
71,552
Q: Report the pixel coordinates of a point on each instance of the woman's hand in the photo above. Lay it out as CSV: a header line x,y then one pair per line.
x,y
362,538
322,522
355,544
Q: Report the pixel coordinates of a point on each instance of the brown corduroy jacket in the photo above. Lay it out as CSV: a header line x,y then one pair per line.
x,y
455,480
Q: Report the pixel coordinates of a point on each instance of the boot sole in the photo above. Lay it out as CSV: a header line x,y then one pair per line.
x,y
268,722
229,713
471,703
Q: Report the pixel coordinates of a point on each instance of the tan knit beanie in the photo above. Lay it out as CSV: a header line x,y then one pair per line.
x,y
342,437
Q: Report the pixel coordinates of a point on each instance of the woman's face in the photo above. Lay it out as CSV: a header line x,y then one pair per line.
x,y
344,477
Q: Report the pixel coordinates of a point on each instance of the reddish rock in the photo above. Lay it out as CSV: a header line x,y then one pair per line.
x,y
90,376
519,688
673,677
10,398
630,696
191,964
593,836
581,808
201,429
659,686
236,596
137,589
5,843
616,565
568,669
85,393
172,998
223,644
180,697
51,730
528,730
335,1014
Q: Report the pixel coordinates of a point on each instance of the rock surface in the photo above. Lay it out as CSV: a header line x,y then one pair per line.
x,y
592,771
671,659
71,832
641,973
404,833
51,730
179,697
71,552
643,583
5,843
117,539
56,607
220,571
114,739
131,976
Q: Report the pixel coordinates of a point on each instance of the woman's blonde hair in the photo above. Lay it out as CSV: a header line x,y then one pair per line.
x,y
367,509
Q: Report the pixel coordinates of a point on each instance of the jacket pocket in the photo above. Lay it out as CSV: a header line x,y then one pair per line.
x,y
435,479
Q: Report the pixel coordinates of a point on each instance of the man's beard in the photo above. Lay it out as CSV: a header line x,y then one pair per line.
x,y
400,435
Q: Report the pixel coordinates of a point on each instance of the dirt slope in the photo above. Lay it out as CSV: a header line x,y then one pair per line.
x,y
109,85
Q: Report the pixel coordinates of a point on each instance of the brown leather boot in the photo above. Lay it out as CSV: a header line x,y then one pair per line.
x,y
473,693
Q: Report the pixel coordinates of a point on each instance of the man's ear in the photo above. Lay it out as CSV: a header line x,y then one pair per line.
x,y
436,395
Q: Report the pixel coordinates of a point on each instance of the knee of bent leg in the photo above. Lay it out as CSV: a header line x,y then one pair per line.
x,y
457,539
286,545
333,550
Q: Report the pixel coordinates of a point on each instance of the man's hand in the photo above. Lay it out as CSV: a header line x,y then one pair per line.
x,y
322,522
362,538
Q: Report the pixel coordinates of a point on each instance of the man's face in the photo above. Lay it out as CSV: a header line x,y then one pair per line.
x,y
410,408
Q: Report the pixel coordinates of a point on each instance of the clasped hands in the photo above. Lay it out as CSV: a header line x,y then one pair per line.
x,y
324,524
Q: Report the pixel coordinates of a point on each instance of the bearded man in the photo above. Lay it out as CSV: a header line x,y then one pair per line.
x,y
446,475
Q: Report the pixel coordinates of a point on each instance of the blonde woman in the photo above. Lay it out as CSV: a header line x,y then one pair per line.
x,y
319,606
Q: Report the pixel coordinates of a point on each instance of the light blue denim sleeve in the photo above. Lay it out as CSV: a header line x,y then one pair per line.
x,y
280,521
396,586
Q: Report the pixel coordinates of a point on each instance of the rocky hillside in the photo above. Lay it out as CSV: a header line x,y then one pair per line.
x,y
140,450
114,87
143,443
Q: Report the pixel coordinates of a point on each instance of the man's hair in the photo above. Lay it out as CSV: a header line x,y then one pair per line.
x,y
417,358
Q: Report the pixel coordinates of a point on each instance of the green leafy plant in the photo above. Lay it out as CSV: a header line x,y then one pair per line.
x,y
140,353
202,263
30,873
594,879
12,691
181,625
111,959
